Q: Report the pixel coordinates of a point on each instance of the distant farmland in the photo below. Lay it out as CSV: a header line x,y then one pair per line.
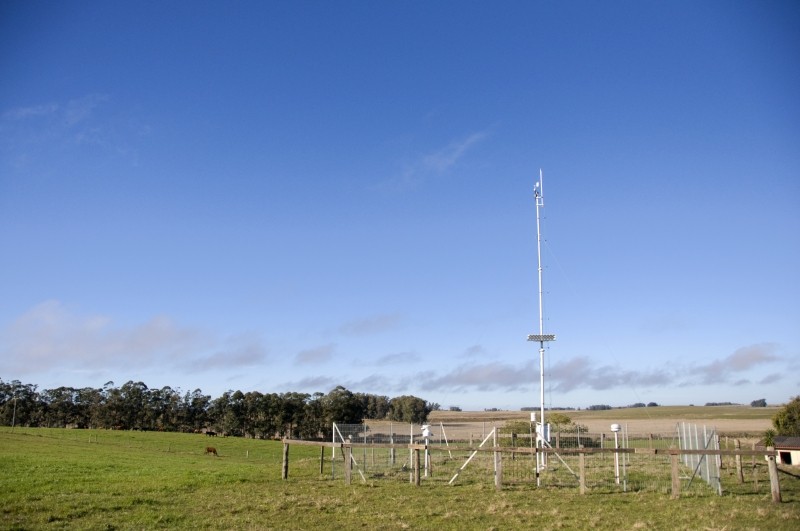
x,y
660,419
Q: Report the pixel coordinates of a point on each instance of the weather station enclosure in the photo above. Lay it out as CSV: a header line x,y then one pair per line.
x,y
689,460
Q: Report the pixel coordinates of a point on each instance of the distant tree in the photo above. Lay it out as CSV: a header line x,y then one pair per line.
x,y
598,407
343,407
374,406
761,402
638,404
409,409
559,420
195,411
787,420
21,404
652,404
314,426
455,408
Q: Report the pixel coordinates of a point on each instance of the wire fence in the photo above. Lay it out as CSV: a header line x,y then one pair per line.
x,y
577,459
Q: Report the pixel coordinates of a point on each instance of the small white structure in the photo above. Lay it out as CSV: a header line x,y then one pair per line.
x,y
616,428
788,449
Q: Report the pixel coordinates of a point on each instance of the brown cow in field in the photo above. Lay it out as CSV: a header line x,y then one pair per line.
x,y
211,450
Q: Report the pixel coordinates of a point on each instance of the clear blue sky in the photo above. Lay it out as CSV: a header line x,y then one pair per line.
x,y
290,196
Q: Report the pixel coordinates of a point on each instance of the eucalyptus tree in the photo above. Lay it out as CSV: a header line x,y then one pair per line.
x,y
409,409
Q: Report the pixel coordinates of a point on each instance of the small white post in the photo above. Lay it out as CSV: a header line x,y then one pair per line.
x,y
615,428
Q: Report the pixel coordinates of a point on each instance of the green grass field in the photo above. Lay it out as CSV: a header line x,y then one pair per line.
x,y
82,479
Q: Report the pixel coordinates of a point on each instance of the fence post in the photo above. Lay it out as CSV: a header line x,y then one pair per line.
x,y
498,478
348,465
416,467
498,466
737,445
582,471
774,482
676,479
285,467
755,471
513,445
321,459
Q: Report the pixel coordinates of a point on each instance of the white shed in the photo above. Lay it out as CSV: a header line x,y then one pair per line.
x,y
788,449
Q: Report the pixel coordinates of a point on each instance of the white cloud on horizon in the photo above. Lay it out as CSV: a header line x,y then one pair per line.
x,y
743,359
51,337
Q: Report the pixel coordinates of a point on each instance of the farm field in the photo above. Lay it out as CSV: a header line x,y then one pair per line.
x,y
93,479
661,419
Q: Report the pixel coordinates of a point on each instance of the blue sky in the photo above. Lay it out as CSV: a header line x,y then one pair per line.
x,y
290,196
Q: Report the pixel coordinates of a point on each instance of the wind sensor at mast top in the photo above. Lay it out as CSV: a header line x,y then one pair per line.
x,y
538,192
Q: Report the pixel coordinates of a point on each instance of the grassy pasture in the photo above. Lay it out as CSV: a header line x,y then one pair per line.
x,y
84,479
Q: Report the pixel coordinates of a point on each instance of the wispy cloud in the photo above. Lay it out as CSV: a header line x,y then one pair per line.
x,y
319,354
370,325
771,378
397,359
373,383
242,351
484,377
445,158
743,359
312,384
581,373
22,113
473,352
433,163
43,132
49,336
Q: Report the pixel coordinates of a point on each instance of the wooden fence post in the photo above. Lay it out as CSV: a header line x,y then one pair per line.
x,y
513,445
774,482
582,471
321,459
739,474
676,478
348,465
416,467
285,468
755,471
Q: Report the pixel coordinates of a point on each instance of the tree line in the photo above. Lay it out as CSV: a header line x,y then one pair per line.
x,y
134,406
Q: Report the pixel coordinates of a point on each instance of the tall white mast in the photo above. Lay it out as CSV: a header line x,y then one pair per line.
x,y
542,432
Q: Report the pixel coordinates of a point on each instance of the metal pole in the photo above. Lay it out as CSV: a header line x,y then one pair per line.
x,y
616,458
540,432
540,203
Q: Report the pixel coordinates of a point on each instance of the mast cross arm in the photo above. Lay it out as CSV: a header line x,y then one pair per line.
x,y
542,337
